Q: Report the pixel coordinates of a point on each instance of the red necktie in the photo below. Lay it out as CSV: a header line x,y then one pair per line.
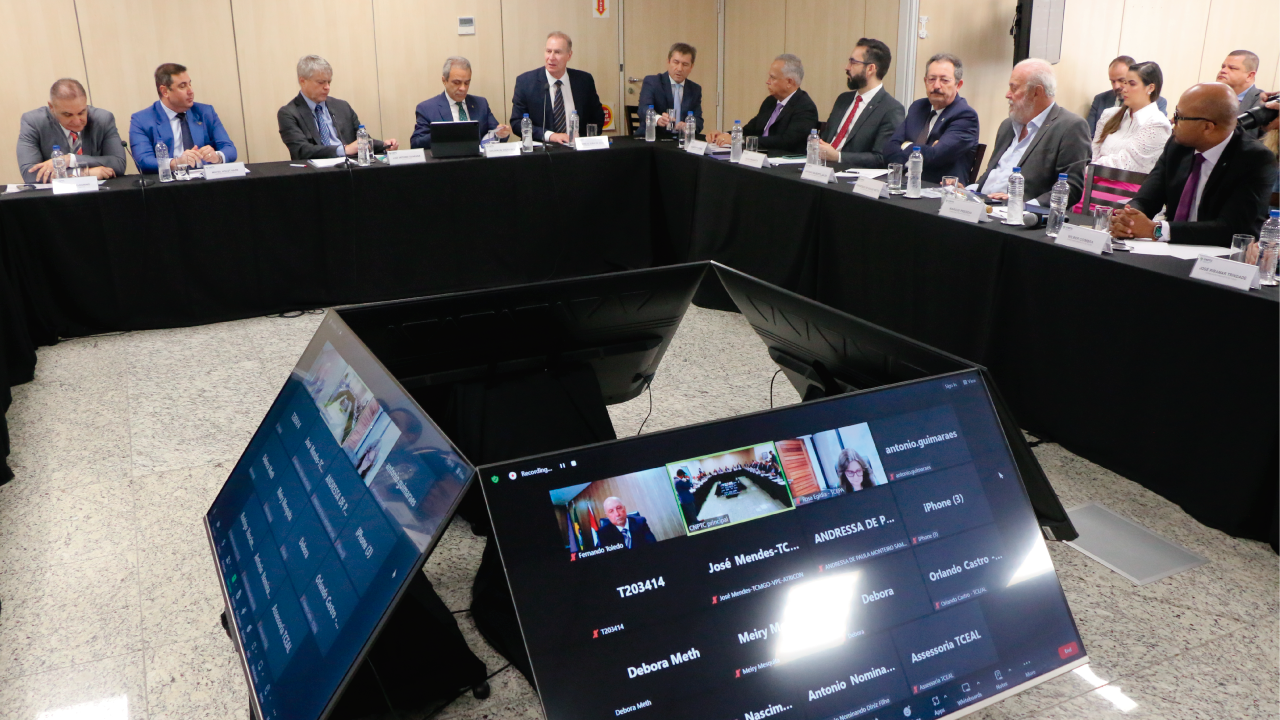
x,y
844,129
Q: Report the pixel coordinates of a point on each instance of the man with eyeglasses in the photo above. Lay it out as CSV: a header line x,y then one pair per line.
x,y
1212,181
941,123
864,118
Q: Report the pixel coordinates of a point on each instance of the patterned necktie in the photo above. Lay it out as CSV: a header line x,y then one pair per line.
x,y
1189,190
187,142
557,111
327,135
462,111
922,137
844,129
777,110
626,537
76,148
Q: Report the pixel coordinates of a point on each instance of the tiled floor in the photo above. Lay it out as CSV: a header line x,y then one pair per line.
x,y
110,607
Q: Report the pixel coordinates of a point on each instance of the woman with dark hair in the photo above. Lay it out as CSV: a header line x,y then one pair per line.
x,y
1131,136
854,471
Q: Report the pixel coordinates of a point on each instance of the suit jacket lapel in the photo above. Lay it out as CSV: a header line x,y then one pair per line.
x,y
665,79
1219,169
866,112
165,133
1040,133
199,136
308,119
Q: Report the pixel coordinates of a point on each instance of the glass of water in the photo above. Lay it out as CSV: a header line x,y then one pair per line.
x,y
1102,218
1240,248
673,119
752,144
593,130
180,171
949,184
895,179
1268,252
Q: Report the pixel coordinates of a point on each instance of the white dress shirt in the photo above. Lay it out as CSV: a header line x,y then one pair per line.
x,y
453,108
1211,157
1137,144
998,179
567,92
175,125
866,96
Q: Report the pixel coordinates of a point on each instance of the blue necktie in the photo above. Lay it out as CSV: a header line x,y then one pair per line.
x,y
327,136
187,142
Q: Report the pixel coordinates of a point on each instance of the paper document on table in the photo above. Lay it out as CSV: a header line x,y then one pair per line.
x,y
786,161
326,162
37,186
1182,252
862,173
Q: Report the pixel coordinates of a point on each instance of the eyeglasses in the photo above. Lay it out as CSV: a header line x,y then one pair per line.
x,y
1179,117
857,62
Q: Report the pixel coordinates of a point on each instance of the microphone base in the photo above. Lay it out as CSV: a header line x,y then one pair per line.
x,y
143,182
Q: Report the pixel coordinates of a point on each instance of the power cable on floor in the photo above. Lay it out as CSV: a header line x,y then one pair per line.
x,y
775,377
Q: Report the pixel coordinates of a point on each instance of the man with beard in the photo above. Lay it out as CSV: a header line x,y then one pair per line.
x,y
864,118
1040,136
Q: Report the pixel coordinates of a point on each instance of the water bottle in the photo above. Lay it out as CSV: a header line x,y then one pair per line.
x,y
690,132
364,147
650,125
1015,204
59,163
162,162
526,134
915,167
1268,248
735,142
1058,205
813,151
573,127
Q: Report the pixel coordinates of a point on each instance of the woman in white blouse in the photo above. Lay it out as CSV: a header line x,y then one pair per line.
x,y
1132,135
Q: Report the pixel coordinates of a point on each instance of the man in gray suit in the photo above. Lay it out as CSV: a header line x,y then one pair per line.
x,y
1106,99
88,133
1040,136
314,125
1238,72
866,116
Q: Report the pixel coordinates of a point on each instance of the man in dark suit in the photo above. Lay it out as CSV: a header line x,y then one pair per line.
x,y
314,125
1212,181
1106,99
661,90
864,118
192,131
1239,70
1040,136
87,133
455,104
786,116
631,531
942,124
550,94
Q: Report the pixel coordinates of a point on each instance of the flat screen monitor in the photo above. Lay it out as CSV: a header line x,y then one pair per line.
x,y
871,555
825,352
620,324
335,504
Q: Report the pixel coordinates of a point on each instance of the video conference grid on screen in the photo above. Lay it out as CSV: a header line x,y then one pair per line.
x,y
323,519
877,559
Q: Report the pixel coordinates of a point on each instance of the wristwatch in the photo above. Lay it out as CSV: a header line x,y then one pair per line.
x,y
1157,232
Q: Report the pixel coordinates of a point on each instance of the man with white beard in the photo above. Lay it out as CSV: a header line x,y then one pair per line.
x,y
1040,136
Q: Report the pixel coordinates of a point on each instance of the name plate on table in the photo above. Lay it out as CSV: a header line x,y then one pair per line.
x,y
754,159
962,210
218,171
697,147
501,149
70,186
870,187
599,142
406,157
818,173
1083,238
1241,276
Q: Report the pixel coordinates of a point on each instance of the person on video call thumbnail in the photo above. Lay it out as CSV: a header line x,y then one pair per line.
x,y
854,471
684,493
621,528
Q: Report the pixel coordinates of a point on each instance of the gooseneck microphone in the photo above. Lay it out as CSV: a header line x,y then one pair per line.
x,y
142,180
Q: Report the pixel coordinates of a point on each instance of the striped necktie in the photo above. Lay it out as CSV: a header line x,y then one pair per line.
x,y
557,111
327,135
76,146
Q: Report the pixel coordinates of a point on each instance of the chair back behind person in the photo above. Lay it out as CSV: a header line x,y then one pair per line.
x,y
633,120
1093,173
979,153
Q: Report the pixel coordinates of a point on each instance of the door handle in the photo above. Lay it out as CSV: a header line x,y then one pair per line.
x,y
633,80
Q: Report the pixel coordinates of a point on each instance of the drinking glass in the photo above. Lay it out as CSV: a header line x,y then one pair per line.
x,y
592,130
1102,218
180,171
74,171
1269,252
752,144
1240,247
949,184
673,119
895,179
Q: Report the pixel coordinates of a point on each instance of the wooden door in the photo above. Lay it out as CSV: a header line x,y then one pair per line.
x,y
651,27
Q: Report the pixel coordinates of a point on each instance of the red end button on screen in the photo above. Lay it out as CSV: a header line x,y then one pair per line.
x,y
1068,651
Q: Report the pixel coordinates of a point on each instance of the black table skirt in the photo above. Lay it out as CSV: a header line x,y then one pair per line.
x,y
1122,359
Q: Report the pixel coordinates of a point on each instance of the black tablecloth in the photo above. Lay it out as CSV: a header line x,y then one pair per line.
x,y
1122,359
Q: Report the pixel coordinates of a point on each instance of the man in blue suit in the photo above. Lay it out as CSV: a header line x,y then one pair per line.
x,y
553,92
942,124
191,130
660,91
455,104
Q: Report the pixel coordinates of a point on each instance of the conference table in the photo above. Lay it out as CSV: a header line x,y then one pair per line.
x,y
1123,359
